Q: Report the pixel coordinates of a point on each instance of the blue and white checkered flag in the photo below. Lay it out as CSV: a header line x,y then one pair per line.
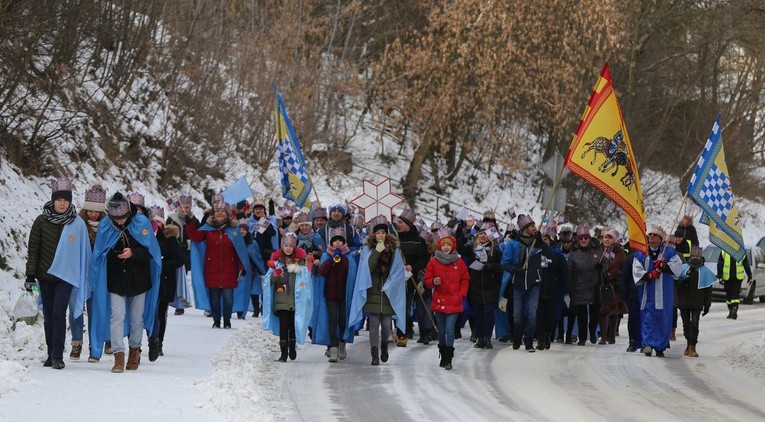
x,y
296,185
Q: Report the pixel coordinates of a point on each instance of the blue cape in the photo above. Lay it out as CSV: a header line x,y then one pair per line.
x,y
501,322
320,317
303,304
181,290
106,237
198,250
656,298
71,262
394,288
254,251
706,277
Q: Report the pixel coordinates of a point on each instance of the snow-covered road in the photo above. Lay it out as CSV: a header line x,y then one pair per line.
x,y
232,375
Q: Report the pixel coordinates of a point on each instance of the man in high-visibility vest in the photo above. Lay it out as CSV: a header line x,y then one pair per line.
x,y
731,274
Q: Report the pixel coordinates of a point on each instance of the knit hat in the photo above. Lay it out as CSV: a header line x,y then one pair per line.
x,y
289,239
185,200
524,221
118,207
95,199
338,233
582,232
61,188
607,231
447,239
337,207
319,212
357,221
157,212
379,223
658,231
303,218
136,198
258,201
680,232
566,233
244,224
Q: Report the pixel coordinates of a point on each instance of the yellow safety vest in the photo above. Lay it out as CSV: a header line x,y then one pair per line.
x,y
687,255
726,268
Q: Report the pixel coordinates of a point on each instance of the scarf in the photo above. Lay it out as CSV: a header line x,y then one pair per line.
x,y
305,241
608,253
60,219
446,258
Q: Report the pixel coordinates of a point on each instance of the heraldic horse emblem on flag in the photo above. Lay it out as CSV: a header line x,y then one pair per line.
x,y
617,155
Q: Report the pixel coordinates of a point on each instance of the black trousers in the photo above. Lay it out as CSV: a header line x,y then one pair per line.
x,y
336,311
584,314
546,318
286,325
691,325
55,300
732,291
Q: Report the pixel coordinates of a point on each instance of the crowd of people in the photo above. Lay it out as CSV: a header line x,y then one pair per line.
x,y
325,274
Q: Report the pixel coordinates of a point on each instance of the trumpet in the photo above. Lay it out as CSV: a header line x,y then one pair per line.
x,y
337,259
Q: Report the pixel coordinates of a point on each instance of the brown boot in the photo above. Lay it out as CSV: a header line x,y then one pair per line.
x,y
134,359
692,351
672,334
76,350
687,350
119,363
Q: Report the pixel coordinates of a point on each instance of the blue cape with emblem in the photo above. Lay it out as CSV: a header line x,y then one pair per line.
x,y
303,304
71,262
394,288
320,319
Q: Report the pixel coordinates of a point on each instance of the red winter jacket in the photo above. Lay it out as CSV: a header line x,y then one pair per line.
x,y
455,278
222,264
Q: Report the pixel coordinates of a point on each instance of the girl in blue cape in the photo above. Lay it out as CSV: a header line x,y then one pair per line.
x,y
127,264
220,264
380,289
288,297
253,280
59,257
655,275
334,282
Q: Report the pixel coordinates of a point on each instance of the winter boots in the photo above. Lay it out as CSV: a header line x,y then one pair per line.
x,y
384,352
58,364
134,359
292,349
690,351
401,340
341,352
442,356
333,354
283,348
119,363
734,311
375,357
448,353
479,343
76,350
672,334
153,349
487,342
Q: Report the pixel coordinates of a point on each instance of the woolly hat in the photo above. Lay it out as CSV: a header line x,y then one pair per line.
x,y
680,232
524,221
61,188
658,231
338,233
448,239
118,207
303,218
289,239
157,212
566,233
408,216
258,201
95,199
607,231
379,223
185,200
582,232
337,207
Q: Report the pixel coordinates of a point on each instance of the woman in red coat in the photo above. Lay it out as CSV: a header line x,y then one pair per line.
x,y
448,276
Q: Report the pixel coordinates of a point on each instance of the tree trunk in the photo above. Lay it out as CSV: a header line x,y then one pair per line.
x,y
413,175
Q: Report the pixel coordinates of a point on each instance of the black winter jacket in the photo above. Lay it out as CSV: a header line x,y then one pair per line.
x,y
128,277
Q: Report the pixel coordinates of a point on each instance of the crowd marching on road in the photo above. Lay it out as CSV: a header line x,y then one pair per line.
x,y
323,275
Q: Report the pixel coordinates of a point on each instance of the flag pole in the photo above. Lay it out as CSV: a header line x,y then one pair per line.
x,y
674,224
550,200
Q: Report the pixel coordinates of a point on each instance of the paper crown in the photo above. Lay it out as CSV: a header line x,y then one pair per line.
x,y
337,232
289,239
303,218
357,221
185,200
219,203
118,208
258,201
95,199
158,212
443,232
377,222
61,184
408,216
659,231
436,225
136,199
524,221
319,212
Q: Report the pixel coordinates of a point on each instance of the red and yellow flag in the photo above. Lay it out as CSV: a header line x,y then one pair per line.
x,y
601,154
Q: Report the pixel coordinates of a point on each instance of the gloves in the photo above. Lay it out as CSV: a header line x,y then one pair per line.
x,y
331,251
293,268
503,304
30,283
598,265
271,264
436,281
654,275
538,237
278,272
705,311
660,265
420,288
380,246
345,249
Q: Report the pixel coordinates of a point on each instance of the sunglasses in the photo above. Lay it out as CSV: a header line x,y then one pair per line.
x,y
584,237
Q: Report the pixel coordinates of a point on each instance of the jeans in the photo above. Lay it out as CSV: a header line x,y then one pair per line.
x,y
77,325
484,319
528,299
446,324
216,294
134,306
378,323
423,317
691,325
55,298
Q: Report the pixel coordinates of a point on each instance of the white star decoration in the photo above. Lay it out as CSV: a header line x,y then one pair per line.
x,y
377,199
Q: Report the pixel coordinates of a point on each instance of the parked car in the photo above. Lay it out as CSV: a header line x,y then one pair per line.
x,y
749,292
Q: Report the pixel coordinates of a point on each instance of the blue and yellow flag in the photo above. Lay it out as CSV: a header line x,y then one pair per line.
x,y
711,189
296,185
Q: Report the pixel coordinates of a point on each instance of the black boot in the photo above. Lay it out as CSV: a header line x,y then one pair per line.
x,y
292,350
161,353
384,351
442,355
283,349
730,311
375,358
428,336
734,311
449,355
153,349
487,343
480,343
